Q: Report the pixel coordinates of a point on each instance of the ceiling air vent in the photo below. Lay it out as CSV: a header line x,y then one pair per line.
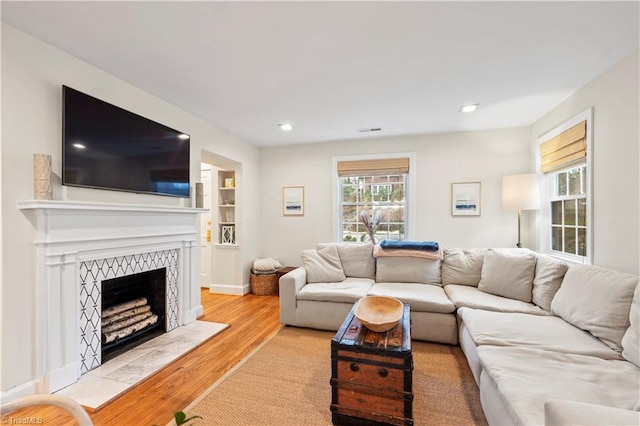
x,y
372,129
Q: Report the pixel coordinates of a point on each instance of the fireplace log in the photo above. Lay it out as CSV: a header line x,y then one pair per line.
x,y
124,332
125,314
126,322
124,306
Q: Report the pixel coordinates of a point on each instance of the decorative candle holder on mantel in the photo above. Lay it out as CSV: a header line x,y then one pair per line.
x,y
199,195
42,189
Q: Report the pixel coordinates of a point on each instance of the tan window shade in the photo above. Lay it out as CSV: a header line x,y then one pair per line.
x,y
567,149
386,166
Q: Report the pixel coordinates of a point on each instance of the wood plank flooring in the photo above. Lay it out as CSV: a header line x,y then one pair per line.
x,y
253,319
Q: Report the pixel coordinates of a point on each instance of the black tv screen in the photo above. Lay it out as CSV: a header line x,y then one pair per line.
x,y
107,147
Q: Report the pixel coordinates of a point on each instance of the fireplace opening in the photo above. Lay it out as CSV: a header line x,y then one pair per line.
x,y
133,311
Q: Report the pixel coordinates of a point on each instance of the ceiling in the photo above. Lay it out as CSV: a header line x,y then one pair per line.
x,y
333,68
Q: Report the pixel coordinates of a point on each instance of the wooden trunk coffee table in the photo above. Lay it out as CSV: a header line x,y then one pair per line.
x,y
372,374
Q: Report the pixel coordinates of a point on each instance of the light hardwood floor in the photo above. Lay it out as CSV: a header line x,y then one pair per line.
x,y
253,319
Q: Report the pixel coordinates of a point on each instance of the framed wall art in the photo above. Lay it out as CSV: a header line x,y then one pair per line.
x,y
465,199
293,201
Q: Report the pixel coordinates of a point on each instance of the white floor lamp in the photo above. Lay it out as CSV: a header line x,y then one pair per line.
x,y
521,192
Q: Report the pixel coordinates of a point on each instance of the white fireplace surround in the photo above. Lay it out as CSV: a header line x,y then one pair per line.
x,y
73,234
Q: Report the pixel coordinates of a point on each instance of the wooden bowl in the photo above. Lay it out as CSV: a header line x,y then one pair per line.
x,y
379,313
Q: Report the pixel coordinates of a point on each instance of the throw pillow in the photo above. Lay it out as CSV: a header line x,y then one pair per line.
x,y
322,266
596,300
357,259
631,338
508,275
546,282
462,266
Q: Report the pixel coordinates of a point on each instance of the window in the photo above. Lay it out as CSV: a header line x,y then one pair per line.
x,y
568,198
565,159
373,186
384,193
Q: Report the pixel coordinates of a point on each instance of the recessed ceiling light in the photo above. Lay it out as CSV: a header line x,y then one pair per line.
x,y
468,108
79,146
285,126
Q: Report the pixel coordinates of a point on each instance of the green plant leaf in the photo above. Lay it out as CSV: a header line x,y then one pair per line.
x,y
181,418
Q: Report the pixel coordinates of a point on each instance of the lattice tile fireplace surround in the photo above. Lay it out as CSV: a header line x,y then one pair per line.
x,y
79,244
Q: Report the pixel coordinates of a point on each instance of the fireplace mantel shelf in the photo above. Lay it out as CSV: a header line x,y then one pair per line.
x,y
86,205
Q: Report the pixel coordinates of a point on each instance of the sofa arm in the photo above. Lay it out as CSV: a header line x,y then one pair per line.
x,y
290,285
558,412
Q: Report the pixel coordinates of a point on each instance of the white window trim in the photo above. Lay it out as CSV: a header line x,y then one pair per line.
x,y
410,190
544,216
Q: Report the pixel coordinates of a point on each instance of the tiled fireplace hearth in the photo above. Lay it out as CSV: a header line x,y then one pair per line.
x,y
80,244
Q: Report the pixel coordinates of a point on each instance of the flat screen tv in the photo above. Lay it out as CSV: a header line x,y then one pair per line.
x,y
107,147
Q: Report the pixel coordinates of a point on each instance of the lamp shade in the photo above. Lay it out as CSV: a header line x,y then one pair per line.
x,y
521,192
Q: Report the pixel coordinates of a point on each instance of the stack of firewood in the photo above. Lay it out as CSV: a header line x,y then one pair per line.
x,y
125,319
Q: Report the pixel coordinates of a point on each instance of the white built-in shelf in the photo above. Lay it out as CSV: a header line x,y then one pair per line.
x,y
226,208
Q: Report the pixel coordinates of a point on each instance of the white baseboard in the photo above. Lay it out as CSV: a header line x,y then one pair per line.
x,y
229,289
193,314
63,377
26,389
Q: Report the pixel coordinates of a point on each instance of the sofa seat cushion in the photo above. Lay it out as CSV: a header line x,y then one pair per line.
x,y
525,378
349,290
559,412
532,331
463,295
421,297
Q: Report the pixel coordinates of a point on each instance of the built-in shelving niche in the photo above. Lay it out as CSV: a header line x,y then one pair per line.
x,y
226,207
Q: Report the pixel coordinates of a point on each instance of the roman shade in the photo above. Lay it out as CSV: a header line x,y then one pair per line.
x,y
569,148
383,166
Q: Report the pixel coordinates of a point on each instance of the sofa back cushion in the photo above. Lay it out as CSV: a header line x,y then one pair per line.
x,y
546,282
462,266
322,266
508,274
596,300
394,269
357,259
631,338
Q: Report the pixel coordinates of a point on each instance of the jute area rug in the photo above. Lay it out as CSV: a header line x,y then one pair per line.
x,y
286,382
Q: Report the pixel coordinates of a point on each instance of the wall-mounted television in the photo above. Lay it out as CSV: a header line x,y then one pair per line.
x,y
107,147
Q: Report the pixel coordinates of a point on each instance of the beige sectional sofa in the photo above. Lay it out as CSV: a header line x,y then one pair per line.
x,y
546,342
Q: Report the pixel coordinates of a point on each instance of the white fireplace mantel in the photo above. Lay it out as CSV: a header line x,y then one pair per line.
x,y
71,232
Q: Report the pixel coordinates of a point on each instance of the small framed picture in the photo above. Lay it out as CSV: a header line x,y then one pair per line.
x,y
293,201
465,199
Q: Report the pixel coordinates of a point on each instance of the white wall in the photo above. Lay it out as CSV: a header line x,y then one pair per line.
x,y
615,99
483,156
32,76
